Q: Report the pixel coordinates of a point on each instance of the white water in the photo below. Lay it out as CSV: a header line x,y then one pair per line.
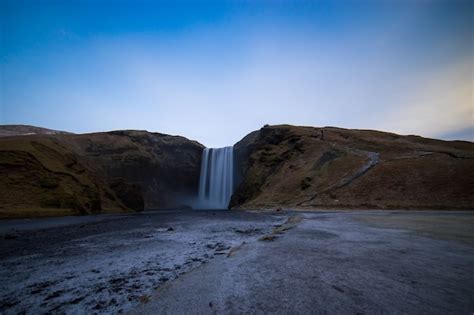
x,y
217,178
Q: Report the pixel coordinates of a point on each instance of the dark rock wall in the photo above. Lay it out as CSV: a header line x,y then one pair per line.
x,y
167,168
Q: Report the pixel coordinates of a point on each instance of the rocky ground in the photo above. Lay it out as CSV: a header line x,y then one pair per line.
x,y
111,263
336,263
232,262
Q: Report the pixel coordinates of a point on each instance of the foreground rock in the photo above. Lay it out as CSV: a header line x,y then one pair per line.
x,y
331,167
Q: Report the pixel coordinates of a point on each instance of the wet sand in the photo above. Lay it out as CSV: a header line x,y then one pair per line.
x,y
216,262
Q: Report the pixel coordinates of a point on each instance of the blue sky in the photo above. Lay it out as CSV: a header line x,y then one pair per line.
x,y
215,71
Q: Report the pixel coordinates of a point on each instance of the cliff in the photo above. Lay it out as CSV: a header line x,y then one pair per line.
x,y
306,167
56,173
63,174
166,167
40,177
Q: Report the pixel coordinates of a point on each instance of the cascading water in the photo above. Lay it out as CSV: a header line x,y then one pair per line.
x,y
217,178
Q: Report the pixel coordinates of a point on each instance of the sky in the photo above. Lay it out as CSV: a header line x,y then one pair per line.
x,y
213,71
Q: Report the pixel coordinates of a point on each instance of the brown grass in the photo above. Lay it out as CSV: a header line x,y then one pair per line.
x,y
292,166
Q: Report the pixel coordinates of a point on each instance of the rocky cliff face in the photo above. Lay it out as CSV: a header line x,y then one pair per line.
x,y
58,174
305,167
166,167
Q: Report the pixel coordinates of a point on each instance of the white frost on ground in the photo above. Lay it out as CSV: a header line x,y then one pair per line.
x,y
113,271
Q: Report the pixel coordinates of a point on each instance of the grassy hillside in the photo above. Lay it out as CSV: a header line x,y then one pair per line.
x,y
277,166
306,167
60,174
40,177
166,167
23,130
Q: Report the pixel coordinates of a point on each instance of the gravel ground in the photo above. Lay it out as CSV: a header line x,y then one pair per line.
x,y
110,263
334,263
206,262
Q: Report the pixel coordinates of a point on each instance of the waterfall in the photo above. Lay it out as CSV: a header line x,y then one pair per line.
x,y
217,178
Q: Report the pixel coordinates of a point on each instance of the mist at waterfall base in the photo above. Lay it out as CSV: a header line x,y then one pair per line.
x,y
216,182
